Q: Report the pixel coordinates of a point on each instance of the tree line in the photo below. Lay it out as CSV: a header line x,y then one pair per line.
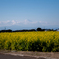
x,y
24,30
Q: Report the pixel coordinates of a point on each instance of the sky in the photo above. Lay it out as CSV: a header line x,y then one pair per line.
x,y
29,14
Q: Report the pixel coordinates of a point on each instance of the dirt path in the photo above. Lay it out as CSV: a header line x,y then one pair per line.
x,y
4,56
8,56
30,54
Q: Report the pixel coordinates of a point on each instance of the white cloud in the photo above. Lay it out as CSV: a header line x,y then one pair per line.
x,y
13,22
26,23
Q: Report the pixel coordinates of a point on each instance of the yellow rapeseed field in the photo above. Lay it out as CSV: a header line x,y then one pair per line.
x,y
30,41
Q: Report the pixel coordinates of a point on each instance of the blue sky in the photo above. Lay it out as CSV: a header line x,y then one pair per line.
x,y
27,14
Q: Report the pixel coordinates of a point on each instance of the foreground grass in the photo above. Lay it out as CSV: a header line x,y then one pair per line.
x,y
30,41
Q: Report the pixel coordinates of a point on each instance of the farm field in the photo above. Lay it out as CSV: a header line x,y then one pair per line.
x,y
30,41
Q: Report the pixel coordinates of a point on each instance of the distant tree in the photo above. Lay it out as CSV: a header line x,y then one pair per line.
x,y
32,30
39,29
9,30
50,30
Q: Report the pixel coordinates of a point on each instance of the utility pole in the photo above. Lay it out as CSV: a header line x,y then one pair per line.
x,y
5,28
